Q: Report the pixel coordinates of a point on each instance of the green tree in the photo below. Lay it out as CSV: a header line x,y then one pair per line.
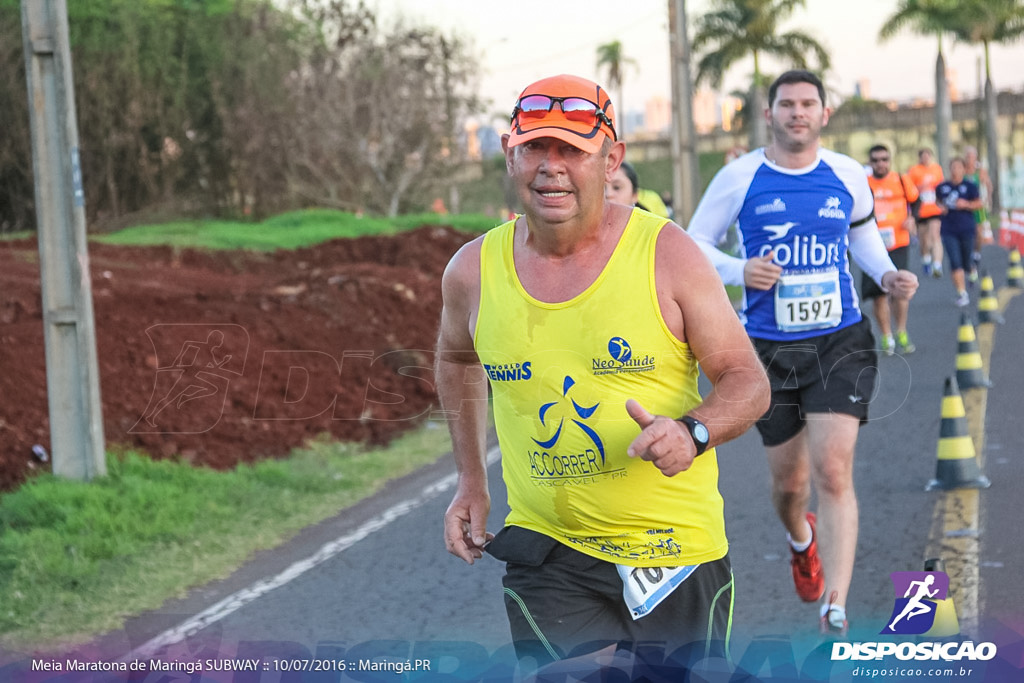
x,y
929,17
17,206
379,112
227,107
987,22
611,58
736,29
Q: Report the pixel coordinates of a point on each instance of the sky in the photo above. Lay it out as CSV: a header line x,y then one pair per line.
x,y
520,42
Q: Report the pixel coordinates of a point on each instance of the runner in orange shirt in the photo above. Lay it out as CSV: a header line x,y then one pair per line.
x,y
894,196
927,175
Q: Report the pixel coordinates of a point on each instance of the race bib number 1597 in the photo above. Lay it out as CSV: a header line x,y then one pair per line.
x,y
808,301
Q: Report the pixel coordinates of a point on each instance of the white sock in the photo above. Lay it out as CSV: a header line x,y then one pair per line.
x,y
836,614
800,547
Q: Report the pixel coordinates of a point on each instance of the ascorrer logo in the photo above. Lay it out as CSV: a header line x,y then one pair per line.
x,y
581,412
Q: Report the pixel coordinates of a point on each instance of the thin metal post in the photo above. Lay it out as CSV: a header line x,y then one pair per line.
x,y
72,376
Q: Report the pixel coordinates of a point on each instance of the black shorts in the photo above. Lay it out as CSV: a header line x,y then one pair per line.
x,y
562,603
833,373
869,289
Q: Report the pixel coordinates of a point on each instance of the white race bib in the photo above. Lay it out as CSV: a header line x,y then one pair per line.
x,y
808,301
643,588
927,196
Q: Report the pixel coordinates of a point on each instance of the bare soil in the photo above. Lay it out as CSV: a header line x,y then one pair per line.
x,y
218,358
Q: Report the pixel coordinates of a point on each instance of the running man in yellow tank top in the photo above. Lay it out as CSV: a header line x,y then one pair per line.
x,y
587,320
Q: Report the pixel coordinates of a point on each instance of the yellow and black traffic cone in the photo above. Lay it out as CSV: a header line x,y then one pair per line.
x,y
957,466
945,623
970,372
988,304
1015,272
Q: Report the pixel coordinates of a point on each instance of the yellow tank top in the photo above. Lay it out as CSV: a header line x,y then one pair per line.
x,y
560,374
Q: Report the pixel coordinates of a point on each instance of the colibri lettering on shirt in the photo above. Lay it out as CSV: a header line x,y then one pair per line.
x,y
804,251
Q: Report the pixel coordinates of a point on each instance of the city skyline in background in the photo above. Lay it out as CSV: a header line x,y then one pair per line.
x,y
530,40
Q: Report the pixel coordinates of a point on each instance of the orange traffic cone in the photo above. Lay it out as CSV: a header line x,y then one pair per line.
x,y
957,466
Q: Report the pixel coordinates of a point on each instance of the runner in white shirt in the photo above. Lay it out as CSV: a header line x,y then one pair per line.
x,y
799,209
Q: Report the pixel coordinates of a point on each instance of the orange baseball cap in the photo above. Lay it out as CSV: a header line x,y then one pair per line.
x,y
582,126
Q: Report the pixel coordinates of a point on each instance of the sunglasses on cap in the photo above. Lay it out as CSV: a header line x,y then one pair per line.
x,y
537,107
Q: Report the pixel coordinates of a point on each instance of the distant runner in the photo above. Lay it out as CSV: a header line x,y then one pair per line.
x,y
926,176
894,198
959,199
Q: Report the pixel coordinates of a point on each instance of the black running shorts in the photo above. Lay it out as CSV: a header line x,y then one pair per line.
x,y
562,603
833,373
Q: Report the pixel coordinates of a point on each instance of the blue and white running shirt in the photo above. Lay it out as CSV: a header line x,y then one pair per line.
x,y
803,217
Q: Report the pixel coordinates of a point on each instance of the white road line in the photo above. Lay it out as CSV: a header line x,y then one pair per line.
x,y
237,600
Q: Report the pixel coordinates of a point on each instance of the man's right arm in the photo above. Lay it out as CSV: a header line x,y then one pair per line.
x,y
462,389
718,210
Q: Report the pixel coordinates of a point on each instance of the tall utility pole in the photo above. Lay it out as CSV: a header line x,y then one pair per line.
x,y
685,170
72,376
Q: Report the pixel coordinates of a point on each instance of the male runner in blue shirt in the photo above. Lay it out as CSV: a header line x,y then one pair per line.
x,y
799,209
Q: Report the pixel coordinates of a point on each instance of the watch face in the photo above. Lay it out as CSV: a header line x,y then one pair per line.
x,y
700,432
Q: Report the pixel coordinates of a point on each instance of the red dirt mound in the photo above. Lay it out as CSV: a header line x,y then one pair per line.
x,y
227,357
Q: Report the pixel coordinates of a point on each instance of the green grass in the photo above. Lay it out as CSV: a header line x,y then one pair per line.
x,y
21,235
286,231
77,558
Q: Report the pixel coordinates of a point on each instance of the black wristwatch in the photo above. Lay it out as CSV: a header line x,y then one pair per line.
x,y
698,431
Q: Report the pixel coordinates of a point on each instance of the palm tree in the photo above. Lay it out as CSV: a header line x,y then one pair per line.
x,y
929,17
987,22
736,29
610,57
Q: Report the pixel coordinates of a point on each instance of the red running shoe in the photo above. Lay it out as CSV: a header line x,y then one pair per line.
x,y
807,574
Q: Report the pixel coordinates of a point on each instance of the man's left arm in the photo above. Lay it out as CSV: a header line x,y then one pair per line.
x,y
866,245
696,306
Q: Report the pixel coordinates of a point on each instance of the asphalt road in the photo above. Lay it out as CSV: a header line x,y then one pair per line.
x,y
376,581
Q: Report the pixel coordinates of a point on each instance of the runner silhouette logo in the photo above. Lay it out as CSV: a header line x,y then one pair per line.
x,y
619,349
917,594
